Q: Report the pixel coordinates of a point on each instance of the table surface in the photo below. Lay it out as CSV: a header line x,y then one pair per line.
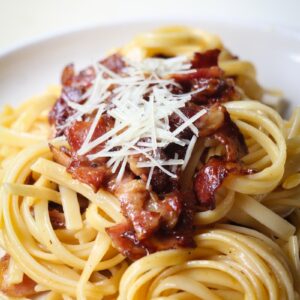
x,y
23,21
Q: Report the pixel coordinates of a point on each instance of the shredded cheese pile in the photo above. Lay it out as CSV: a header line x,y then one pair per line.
x,y
140,100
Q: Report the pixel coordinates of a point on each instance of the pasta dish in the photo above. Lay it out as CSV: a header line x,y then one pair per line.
x,y
164,171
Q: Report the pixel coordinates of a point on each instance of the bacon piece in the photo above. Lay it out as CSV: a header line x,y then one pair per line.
x,y
114,63
94,173
206,60
75,86
203,73
61,111
214,90
133,161
81,81
176,121
23,289
161,183
230,136
133,196
211,83
57,219
90,172
124,240
58,114
212,121
68,75
77,132
84,79
60,156
216,124
169,209
208,79
145,211
211,176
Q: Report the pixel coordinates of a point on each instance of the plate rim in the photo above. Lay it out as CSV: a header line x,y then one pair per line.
x,y
293,33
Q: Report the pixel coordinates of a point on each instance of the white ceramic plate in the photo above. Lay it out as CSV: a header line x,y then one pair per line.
x,y
28,70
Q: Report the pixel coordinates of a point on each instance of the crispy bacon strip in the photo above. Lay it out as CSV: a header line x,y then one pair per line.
x,y
74,87
206,60
211,176
93,173
208,78
126,242
216,124
125,239
133,195
161,183
77,132
145,211
90,172
23,289
114,63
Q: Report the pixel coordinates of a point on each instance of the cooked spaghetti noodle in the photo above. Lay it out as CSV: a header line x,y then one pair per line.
x,y
54,225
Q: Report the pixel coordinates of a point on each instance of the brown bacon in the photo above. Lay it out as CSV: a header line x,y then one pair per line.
x,y
90,172
216,124
133,195
114,63
94,173
161,183
206,60
74,87
57,219
145,211
208,79
211,84
23,289
185,78
133,161
211,176
126,241
77,132
230,136
68,75
169,209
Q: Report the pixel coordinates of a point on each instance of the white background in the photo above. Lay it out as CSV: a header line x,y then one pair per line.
x,y
24,20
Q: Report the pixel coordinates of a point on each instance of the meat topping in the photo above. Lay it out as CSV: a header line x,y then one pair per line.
x,y
23,289
211,176
159,215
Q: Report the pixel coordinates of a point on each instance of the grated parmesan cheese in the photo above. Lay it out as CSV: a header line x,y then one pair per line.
x,y
141,101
